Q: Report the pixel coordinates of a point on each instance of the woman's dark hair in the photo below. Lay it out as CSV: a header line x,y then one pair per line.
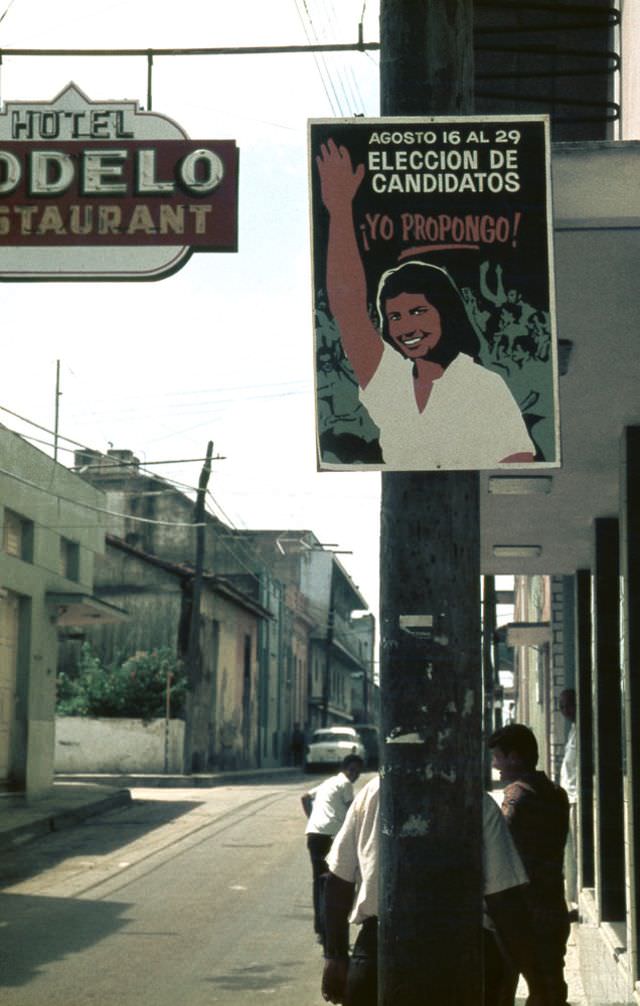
x,y
434,283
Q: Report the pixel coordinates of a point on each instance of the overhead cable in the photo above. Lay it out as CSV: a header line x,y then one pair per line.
x,y
97,509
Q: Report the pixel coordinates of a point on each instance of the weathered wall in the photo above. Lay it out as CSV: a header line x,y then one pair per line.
x,y
532,663
562,666
114,745
41,491
234,677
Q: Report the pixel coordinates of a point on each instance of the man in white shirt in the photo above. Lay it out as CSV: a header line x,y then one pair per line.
x,y
352,896
567,706
326,807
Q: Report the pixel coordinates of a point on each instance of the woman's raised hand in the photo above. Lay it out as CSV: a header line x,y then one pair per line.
x,y
338,180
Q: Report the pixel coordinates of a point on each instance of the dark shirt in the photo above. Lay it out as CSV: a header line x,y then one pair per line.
x,y
537,811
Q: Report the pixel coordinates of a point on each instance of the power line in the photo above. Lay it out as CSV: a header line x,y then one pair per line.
x,y
95,509
117,463
6,10
84,447
147,464
228,389
340,69
189,407
335,108
114,462
141,468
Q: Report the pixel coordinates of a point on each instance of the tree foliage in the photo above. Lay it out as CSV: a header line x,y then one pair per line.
x,y
135,687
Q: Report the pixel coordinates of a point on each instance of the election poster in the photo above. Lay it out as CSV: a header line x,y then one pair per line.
x,y
434,322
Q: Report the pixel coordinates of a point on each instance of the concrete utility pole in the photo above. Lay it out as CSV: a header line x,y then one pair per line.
x,y
194,664
326,680
431,679
489,662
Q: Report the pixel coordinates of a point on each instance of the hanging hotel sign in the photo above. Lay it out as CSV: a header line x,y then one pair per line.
x,y
433,282
104,190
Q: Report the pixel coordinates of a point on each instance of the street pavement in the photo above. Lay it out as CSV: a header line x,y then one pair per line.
x,y
75,797
195,895
90,850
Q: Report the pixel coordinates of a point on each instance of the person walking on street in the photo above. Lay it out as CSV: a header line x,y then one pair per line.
x,y
567,706
326,807
297,745
537,812
351,895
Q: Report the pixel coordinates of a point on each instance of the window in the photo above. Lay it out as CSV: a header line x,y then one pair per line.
x,y
69,559
17,536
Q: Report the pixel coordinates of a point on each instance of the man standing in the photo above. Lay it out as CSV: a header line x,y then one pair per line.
x,y
326,807
567,706
352,896
297,744
537,812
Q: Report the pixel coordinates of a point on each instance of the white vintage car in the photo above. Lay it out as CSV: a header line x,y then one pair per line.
x,y
329,745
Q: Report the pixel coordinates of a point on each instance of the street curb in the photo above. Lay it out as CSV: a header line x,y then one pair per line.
x,y
70,816
141,780
58,820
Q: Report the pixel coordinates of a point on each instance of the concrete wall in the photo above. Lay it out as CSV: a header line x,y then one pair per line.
x,y
232,685
52,498
114,745
630,97
532,663
562,666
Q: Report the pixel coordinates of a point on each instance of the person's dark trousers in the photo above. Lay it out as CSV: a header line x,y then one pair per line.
x,y
495,968
318,846
501,978
362,977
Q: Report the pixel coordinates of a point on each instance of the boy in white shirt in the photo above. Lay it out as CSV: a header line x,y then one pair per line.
x,y
326,807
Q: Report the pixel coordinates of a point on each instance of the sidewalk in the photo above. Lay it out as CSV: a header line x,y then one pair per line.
x,y
77,797
575,995
23,820
140,780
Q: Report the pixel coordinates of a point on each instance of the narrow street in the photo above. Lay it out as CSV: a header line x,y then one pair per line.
x,y
187,896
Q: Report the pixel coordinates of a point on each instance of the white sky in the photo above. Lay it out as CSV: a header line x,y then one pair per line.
x,y
223,349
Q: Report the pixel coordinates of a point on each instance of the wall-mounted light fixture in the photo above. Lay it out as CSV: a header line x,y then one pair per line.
x,y
519,485
517,551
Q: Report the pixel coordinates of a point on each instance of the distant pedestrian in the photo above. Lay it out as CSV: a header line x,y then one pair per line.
x,y
297,745
352,896
326,807
537,812
567,706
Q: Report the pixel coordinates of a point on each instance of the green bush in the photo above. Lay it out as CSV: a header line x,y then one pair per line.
x,y
134,688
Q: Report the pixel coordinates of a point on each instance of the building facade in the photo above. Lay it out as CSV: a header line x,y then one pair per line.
x,y
579,633
52,532
338,674
155,593
277,646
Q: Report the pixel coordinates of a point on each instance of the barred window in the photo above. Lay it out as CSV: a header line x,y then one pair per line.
x,y
17,536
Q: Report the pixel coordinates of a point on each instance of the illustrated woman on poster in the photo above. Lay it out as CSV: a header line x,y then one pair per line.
x,y
436,407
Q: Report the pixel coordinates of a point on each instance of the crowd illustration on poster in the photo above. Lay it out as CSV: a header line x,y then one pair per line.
x,y
434,330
